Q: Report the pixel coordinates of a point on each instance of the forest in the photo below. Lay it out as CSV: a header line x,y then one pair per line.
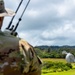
x,y
53,51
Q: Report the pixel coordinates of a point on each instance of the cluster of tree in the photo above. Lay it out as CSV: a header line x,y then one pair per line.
x,y
56,66
53,51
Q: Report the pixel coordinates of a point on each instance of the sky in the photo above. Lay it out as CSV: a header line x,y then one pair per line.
x,y
45,22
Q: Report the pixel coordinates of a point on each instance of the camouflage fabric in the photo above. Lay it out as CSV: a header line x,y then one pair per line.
x,y
17,57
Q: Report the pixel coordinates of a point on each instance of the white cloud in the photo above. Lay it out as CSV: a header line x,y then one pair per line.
x,y
62,10
46,22
33,13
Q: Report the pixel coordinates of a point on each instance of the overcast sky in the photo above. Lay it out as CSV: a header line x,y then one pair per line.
x,y
45,22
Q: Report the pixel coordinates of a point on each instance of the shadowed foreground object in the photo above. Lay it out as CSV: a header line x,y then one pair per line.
x,y
69,57
17,57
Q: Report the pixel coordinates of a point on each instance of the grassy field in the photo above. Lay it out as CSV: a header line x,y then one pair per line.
x,y
69,72
54,60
